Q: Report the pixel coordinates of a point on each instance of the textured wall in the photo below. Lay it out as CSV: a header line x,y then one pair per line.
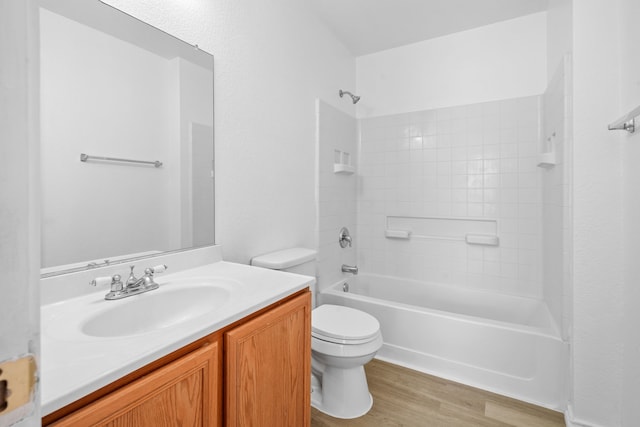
x,y
630,98
19,187
598,265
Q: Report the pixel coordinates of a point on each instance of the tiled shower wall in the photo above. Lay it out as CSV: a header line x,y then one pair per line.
x,y
336,192
475,161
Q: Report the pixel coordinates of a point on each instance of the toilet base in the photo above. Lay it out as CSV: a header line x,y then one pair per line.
x,y
341,393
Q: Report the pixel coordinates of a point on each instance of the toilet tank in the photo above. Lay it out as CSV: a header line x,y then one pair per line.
x,y
293,260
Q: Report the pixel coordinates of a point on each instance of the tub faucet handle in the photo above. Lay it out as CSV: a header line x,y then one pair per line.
x,y
344,238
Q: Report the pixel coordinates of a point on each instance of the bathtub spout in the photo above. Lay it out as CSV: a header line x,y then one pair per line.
x,y
350,269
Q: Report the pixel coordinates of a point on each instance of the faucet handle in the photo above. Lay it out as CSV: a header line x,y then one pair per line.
x,y
114,281
153,270
132,277
159,268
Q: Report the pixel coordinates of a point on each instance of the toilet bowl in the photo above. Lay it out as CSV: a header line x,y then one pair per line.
x,y
343,340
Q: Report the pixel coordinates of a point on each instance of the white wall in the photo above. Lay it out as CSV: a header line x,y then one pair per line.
x,y
556,194
629,12
559,33
19,189
272,60
499,61
599,232
336,193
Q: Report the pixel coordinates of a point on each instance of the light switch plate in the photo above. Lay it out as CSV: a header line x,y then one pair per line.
x,y
17,381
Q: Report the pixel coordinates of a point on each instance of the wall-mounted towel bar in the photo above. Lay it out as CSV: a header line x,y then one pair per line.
x,y
627,122
85,157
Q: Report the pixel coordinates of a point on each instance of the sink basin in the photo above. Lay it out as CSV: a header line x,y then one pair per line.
x,y
155,310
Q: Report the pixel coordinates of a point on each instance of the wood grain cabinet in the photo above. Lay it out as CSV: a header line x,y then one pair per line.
x,y
255,372
182,393
267,368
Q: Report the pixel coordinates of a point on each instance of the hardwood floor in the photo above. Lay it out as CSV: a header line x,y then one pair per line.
x,y
403,397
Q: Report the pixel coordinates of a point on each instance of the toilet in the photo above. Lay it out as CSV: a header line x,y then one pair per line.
x,y
343,340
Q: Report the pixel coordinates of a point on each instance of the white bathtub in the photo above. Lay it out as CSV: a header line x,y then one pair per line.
x,y
505,344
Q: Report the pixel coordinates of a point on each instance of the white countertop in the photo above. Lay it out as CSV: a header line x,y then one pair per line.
x,y
74,364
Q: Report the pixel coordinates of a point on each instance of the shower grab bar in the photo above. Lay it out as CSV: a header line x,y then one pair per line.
x,y
84,157
626,122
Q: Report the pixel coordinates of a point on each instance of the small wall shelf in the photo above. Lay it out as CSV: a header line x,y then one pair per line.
x,y
547,160
342,163
343,169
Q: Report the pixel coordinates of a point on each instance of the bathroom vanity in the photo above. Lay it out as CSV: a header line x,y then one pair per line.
x,y
217,343
245,362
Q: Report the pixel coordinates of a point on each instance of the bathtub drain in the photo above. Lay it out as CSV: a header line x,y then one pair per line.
x,y
345,287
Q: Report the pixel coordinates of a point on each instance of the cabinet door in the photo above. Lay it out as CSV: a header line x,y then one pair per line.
x,y
182,393
268,368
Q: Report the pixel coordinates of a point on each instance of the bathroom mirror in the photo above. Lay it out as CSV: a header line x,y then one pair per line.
x,y
126,138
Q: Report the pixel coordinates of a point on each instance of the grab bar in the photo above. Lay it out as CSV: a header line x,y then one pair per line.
x,y
85,157
627,122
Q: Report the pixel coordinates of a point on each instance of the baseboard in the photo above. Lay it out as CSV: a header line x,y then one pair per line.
x,y
570,420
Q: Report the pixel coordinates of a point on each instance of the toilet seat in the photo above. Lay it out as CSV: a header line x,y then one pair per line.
x,y
321,348
343,325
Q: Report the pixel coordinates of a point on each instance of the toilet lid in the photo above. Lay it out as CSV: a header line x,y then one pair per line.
x,y
338,323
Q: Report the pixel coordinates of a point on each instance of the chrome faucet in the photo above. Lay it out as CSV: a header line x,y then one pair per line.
x,y
350,269
133,285
344,239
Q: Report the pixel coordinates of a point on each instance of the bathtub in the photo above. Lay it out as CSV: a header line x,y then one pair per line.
x,y
505,344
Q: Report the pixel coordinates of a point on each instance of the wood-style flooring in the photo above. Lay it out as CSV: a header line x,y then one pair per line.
x,y
403,397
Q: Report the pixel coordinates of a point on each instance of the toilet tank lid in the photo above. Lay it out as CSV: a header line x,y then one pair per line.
x,y
283,259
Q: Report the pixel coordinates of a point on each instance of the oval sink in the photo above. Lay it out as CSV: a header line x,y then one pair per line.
x,y
155,310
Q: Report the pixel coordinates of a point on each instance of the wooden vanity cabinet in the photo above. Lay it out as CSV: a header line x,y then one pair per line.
x,y
268,368
255,372
182,393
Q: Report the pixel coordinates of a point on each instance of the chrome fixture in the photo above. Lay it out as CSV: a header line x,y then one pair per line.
x,y
344,238
350,269
155,163
629,125
627,122
345,287
354,98
133,286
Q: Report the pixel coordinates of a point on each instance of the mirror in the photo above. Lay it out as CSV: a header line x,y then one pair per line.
x,y
137,104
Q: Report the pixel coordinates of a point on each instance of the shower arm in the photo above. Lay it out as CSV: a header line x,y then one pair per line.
x,y
354,98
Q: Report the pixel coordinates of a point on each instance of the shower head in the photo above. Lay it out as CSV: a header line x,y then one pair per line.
x,y
354,98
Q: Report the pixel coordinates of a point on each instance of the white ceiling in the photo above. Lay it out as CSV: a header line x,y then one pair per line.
x,y
367,26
